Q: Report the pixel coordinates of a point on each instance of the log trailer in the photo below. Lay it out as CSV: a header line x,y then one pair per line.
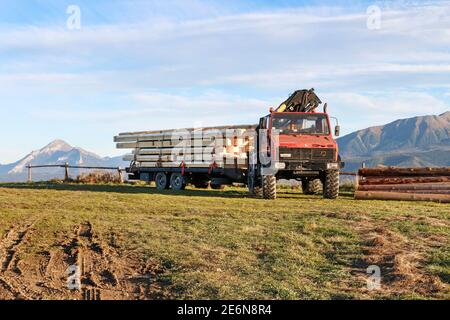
x,y
292,142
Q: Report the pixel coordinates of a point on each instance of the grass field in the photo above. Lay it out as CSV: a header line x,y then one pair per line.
x,y
133,242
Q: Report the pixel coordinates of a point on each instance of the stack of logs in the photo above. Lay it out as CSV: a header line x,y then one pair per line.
x,y
414,184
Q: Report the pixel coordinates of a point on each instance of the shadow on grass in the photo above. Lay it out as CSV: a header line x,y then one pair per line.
x,y
142,189
130,189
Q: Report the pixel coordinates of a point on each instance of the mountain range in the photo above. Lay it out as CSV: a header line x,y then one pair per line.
x,y
56,152
420,141
414,142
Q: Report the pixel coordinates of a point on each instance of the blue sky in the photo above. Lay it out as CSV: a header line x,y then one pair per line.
x,y
141,65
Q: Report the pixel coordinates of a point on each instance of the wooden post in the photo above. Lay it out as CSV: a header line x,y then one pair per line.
x,y
66,172
30,179
120,174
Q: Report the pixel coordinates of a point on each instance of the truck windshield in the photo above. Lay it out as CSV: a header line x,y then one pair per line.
x,y
300,123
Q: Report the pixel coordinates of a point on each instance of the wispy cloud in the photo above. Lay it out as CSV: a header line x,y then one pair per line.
x,y
142,67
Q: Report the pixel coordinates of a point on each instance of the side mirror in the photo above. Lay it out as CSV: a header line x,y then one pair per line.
x,y
337,130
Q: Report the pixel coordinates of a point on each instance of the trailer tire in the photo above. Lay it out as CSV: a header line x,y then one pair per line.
x,y
201,185
269,187
177,181
162,181
311,187
331,186
216,186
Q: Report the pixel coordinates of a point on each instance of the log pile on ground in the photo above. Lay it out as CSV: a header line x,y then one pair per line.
x,y
414,184
195,148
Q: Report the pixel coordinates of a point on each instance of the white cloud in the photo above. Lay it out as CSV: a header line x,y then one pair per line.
x,y
159,72
159,110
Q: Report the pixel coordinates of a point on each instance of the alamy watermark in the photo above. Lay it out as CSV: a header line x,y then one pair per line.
x,y
373,17
74,18
374,280
74,277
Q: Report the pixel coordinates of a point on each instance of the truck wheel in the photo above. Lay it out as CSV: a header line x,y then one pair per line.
x,y
331,187
313,186
177,181
258,191
162,181
269,187
217,186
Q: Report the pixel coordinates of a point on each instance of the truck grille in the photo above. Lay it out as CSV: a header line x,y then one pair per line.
x,y
307,154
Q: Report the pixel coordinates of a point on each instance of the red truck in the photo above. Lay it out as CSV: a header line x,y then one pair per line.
x,y
293,142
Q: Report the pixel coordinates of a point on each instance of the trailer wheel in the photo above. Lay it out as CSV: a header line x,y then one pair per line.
x,y
177,181
201,185
331,187
162,181
313,186
217,186
269,187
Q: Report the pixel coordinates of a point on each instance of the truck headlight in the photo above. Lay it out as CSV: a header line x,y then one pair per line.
x,y
285,155
333,165
280,165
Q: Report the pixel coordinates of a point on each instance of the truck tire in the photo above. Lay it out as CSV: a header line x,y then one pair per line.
x,y
331,187
313,186
162,181
177,181
217,186
269,187
258,191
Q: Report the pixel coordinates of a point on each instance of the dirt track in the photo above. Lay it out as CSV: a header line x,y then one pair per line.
x,y
85,267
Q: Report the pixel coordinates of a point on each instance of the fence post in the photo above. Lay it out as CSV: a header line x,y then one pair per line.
x,y
120,174
66,172
29,173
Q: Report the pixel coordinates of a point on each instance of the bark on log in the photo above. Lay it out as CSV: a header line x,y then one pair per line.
x,y
425,191
402,180
380,195
394,171
417,186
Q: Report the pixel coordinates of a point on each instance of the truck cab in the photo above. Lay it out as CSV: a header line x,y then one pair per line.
x,y
302,148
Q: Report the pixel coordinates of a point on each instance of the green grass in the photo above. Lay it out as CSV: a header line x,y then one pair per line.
x,y
227,245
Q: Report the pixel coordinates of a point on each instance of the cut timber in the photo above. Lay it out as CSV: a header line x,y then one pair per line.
x,y
402,180
188,164
138,133
425,191
380,195
394,171
394,187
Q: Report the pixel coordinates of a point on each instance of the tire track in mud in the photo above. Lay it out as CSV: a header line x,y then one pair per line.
x,y
10,272
105,274
98,264
10,245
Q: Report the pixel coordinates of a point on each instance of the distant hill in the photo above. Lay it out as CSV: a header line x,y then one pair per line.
x,y
419,141
56,152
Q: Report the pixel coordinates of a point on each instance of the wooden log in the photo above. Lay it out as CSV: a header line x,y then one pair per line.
x,y
417,186
425,191
402,180
177,134
244,126
177,151
380,195
395,171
